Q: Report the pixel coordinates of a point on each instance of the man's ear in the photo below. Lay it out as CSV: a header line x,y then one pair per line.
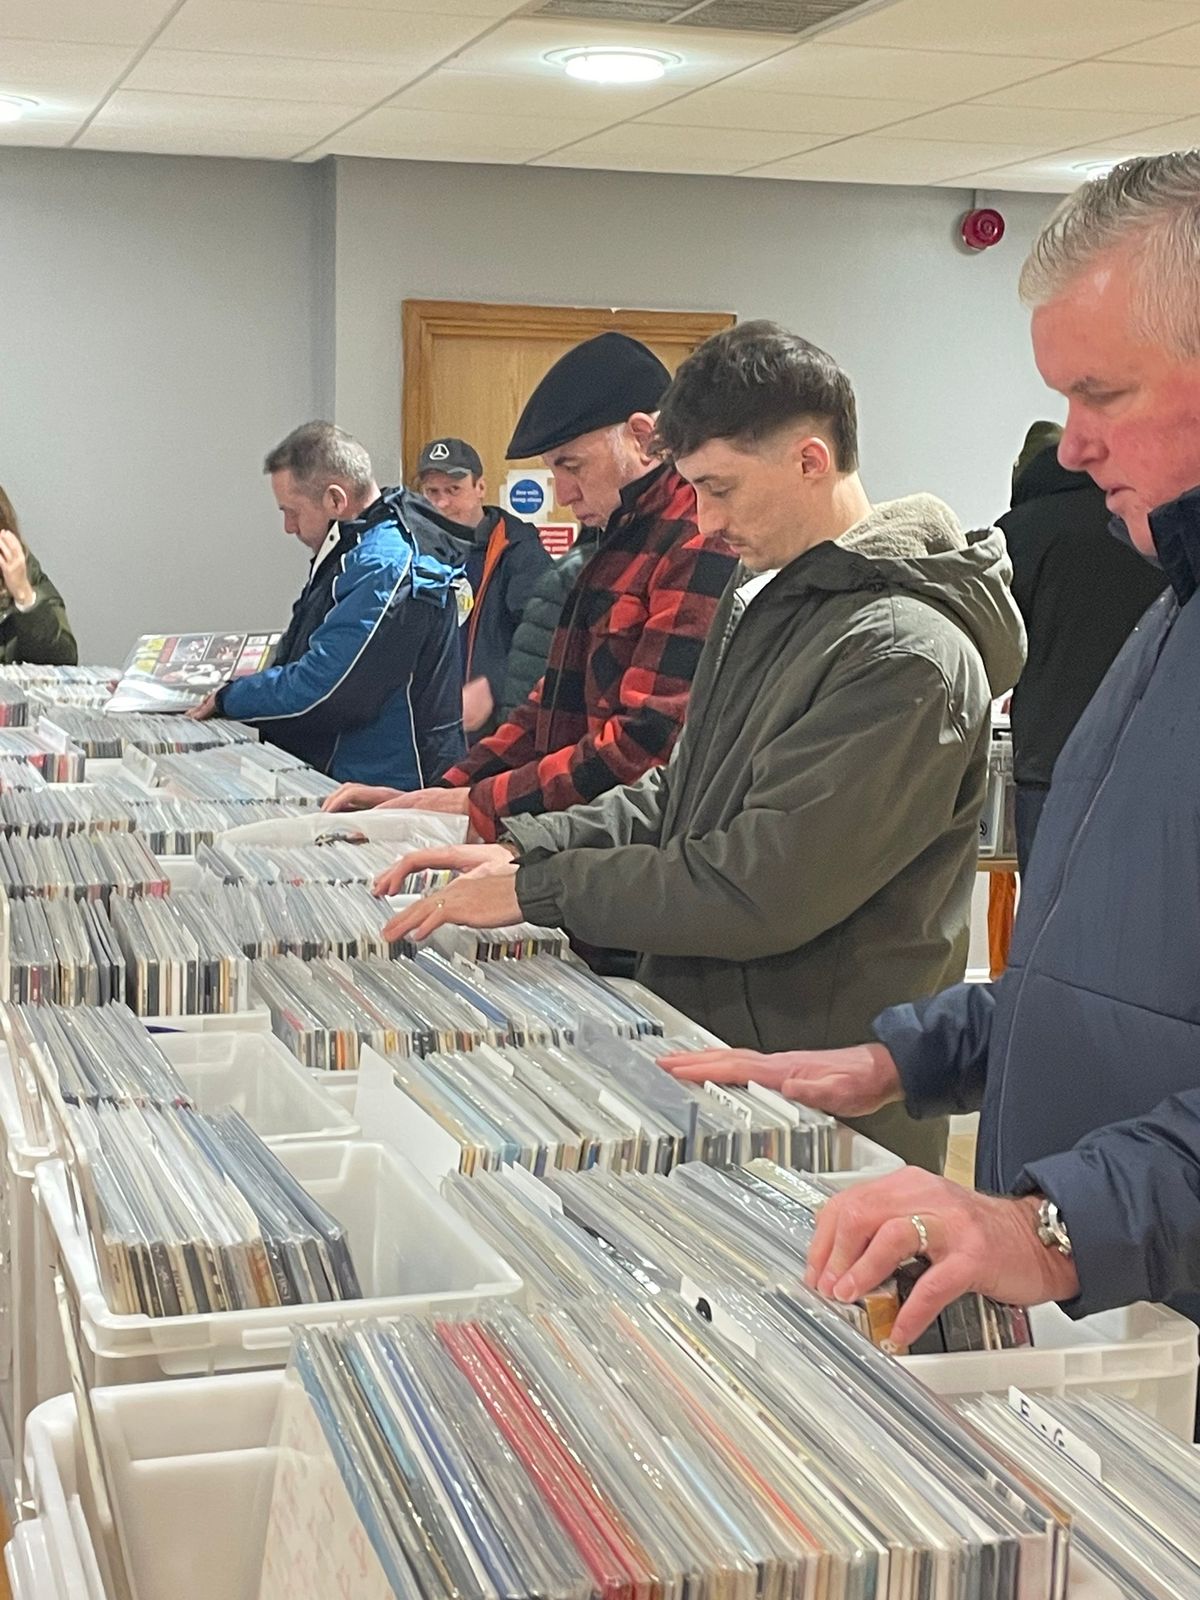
x,y
812,455
335,500
644,429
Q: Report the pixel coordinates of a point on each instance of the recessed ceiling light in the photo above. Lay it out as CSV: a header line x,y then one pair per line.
x,y
13,107
1095,169
609,64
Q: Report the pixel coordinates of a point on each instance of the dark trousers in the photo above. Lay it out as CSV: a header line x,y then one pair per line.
x,y
1029,803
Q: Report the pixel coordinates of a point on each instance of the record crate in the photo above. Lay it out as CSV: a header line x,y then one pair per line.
x,y
411,1250
195,1457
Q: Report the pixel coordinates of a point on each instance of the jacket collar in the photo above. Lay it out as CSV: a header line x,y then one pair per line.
x,y
1175,529
646,496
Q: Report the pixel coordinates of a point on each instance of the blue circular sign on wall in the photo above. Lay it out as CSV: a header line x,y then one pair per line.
x,y
527,496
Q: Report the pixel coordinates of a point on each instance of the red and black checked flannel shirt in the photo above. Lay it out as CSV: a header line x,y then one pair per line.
x,y
613,699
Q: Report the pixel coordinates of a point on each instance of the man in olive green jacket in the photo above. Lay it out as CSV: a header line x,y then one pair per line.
x,y
807,856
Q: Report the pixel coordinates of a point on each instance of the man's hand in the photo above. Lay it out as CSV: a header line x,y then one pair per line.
x,y
478,704
358,797
207,708
976,1242
466,903
450,802
14,570
843,1083
475,860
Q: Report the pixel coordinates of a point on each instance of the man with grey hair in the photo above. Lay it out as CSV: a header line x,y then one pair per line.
x,y
1085,1056
366,683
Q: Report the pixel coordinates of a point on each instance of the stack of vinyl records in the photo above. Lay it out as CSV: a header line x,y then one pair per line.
x,y
17,774
107,736
1132,1489
241,772
57,763
179,957
604,1103
65,951
79,866
65,686
340,855
306,919
191,1214
723,1237
627,1450
61,808
14,706
175,827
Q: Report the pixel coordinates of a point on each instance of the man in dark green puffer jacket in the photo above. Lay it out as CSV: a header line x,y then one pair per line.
x,y
531,641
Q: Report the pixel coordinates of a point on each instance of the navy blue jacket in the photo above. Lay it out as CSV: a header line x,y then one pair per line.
x,y
1086,1053
366,683
502,596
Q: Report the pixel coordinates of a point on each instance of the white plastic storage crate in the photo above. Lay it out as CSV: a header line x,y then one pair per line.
x,y
258,1076
31,1575
412,1252
1144,1354
190,1467
257,1019
400,828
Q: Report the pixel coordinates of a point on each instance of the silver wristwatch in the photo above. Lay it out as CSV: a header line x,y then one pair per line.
x,y
1052,1230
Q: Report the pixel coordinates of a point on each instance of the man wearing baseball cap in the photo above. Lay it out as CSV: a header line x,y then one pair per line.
x,y
504,560
612,701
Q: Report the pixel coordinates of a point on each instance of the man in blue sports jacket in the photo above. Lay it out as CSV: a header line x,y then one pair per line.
x,y
366,684
1084,1058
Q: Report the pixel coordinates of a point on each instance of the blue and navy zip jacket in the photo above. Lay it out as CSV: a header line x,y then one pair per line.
x,y
367,681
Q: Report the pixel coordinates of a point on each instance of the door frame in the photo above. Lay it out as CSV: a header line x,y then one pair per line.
x,y
423,320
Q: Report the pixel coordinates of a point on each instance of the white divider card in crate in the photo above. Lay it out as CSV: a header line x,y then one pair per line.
x,y
412,1252
405,829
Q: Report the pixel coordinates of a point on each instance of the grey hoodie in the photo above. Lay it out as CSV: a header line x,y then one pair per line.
x,y
807,856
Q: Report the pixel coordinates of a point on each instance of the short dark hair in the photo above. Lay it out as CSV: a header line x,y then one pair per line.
x,y
747,383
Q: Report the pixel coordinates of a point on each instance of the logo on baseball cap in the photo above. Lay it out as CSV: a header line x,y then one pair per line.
x,y
455,457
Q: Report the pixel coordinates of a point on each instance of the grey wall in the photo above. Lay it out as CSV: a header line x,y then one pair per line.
x,y
935,339
163,322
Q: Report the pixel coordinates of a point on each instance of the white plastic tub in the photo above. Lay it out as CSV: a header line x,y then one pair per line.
x,y
27,1562
258,1076
191,1465
257,1019
1144,1354
412,1252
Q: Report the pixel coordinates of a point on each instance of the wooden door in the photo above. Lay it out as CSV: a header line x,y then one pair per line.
x,y
469,368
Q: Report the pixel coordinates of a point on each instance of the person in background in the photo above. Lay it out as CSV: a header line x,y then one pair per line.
x,y
1081,592
366,683
33,615
534,634
621,663
809,852
1085,1055
504,561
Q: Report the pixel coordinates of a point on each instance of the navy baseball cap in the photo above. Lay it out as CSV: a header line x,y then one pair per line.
x,y
455,457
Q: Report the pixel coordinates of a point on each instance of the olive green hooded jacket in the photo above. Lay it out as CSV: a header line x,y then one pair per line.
x,y
42,635
807,856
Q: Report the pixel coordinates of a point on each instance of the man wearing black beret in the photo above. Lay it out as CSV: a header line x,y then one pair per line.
x,y
613,698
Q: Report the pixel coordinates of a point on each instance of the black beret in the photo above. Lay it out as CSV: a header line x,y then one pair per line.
x,y
599,383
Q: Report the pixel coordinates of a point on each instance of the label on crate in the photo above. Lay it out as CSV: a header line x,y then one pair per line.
x,y
1053,1431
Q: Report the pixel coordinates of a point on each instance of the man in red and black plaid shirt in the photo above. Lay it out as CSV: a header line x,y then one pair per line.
x,y
612,700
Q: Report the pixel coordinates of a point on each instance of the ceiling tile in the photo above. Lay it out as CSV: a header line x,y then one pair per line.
x,y
48,72
209,72
519,47
491,94
876,159
1018,180
1179,49
987,124
451,8
459,136
661,149
1180,135
50,132
1014,27
1109,86
262,146
406,41
733,107
932,77
83,21
294,122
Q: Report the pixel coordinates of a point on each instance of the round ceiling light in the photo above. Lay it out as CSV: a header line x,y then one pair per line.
x,y
610,64
1095,169
13,107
